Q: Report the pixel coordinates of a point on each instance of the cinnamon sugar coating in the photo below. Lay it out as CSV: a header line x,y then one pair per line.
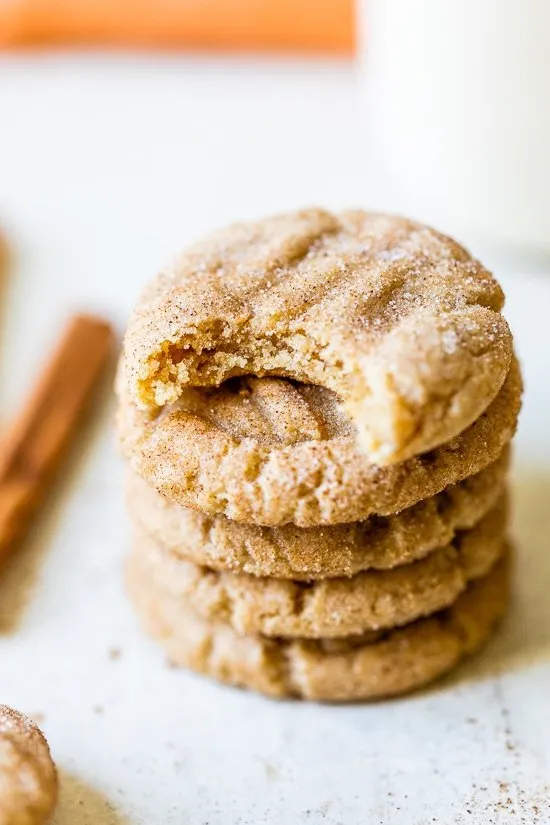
x,y
330,608
371,667
396,319
28,778
272,452
307,554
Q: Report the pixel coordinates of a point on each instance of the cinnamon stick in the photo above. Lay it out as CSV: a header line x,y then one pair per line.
x,y
30,451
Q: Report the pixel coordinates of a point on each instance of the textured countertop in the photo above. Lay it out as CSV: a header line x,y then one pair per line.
x,y
107,165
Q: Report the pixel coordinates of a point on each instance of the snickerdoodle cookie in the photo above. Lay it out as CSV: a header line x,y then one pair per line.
x,y
395,318
371,667
291,552
272,452
372,600
28,778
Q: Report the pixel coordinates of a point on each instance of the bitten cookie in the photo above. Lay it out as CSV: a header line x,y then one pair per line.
x,y
268,451
395,318
384,664
372,600
301,553
28,778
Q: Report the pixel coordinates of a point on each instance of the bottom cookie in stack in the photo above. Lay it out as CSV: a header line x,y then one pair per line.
x,y
371,666
377,633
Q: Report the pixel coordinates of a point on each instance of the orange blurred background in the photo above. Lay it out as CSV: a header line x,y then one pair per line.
x,y
315,26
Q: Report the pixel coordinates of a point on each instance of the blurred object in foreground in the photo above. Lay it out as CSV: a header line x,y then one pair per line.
x,y
294,25
458,101
4,253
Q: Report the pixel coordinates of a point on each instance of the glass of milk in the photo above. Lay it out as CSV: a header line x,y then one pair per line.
x,y
457,99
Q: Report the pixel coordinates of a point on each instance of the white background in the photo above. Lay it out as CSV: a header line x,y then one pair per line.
x,y
107,167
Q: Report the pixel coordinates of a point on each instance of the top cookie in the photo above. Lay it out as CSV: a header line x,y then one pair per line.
x,y
28,778
397,319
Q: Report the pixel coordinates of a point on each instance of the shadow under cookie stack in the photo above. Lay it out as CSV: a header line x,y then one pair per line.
x,y
317,411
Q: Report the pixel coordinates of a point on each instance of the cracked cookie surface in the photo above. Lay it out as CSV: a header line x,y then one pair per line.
x,y
395,318
302,553
272,452
28,778
373,667
330,608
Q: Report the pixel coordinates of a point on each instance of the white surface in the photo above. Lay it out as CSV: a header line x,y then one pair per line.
x,y
106,167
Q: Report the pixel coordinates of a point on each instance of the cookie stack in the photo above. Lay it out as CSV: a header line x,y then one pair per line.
x,y
316,410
